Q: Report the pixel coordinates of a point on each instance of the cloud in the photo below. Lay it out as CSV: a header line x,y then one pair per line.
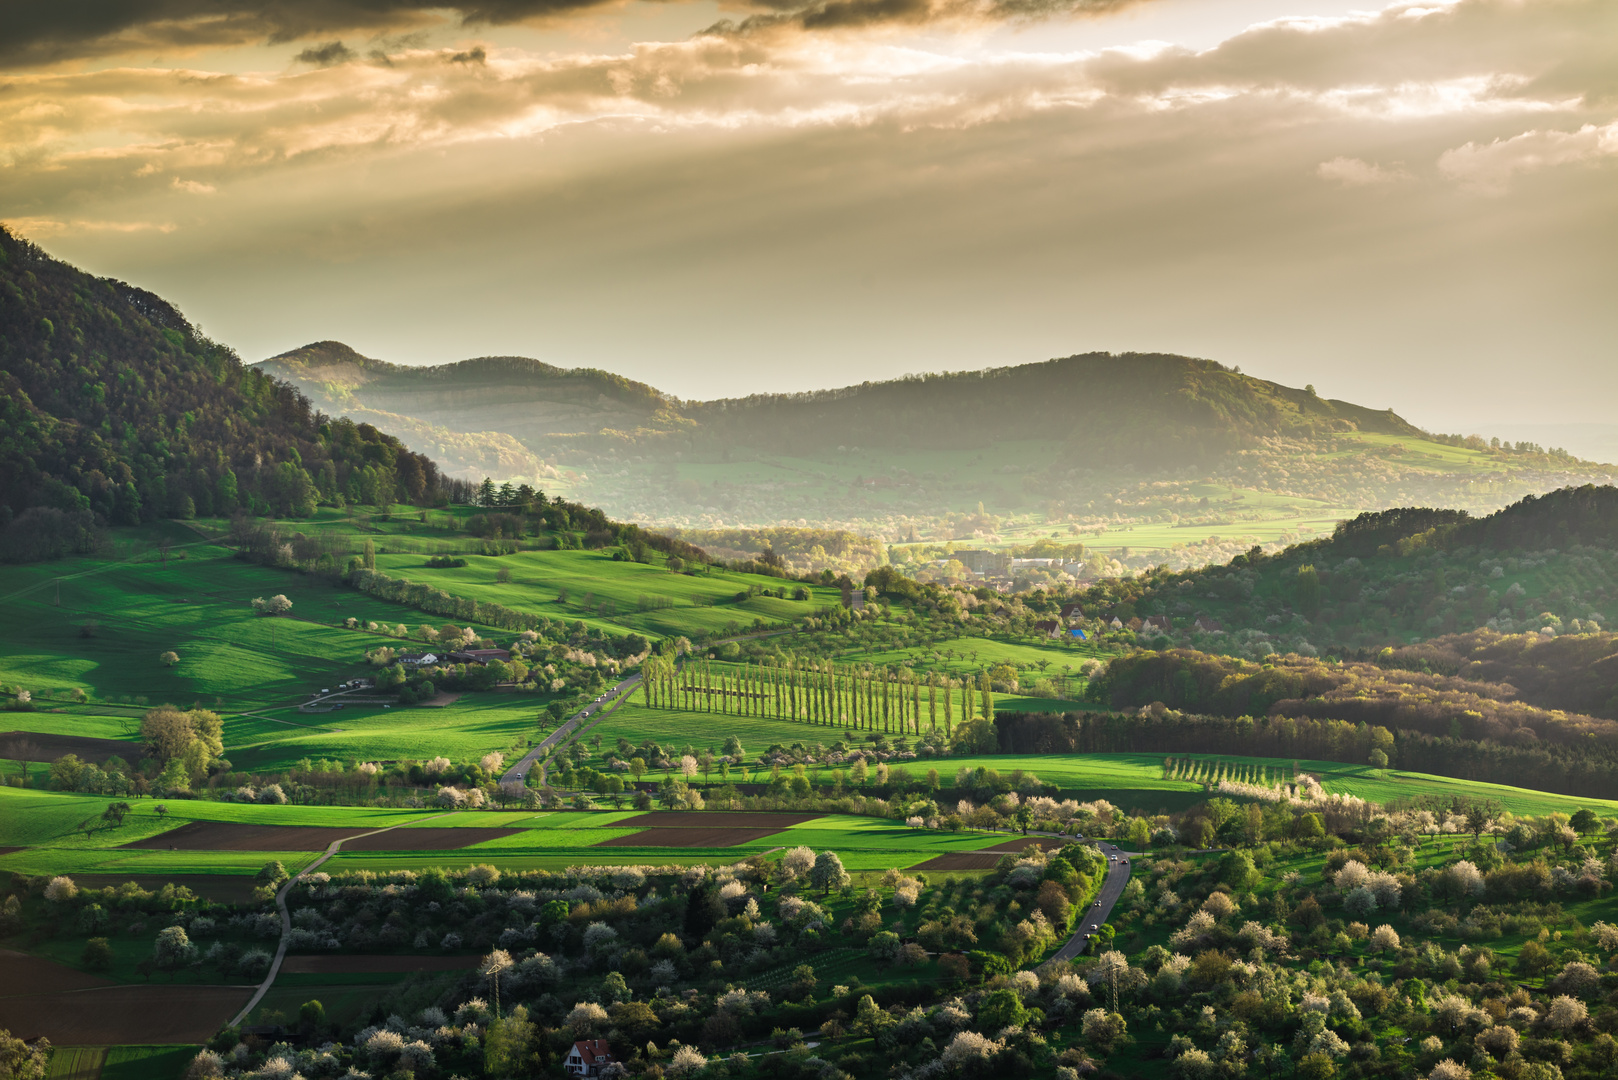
x,y
1352,172
857,14
193,187
44,33
333,52
1488,169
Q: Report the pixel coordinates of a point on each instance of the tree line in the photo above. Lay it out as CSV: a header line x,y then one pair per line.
x,y
862,697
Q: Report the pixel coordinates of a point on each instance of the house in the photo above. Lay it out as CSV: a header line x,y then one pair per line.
x,y
1116,623
1208,625
485,655
1158,623
1072,614
588,1057
1049,627
418,659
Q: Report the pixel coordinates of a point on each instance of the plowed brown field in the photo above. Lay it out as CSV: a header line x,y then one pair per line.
x,y
42,997
372,965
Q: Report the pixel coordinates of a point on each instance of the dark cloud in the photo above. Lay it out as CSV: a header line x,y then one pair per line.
x,y
471,56
333,52
43,33
854,14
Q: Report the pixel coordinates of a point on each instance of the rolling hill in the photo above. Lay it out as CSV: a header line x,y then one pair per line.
x,y
1092,443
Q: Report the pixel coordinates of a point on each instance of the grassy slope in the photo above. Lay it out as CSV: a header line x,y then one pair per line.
x,y
470,728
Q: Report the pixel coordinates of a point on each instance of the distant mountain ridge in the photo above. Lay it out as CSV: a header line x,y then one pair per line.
x,y
1096,439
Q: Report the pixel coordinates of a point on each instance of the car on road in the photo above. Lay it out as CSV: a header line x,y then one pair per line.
x,y
1096,904
1094,928
1115,858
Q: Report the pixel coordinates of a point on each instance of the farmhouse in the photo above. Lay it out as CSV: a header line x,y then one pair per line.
x,y
483,656
588,1057
1050,628
1072,614
1208,625
1157,622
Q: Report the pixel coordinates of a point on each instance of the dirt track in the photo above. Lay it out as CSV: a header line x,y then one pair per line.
x,y
712,819
689,838
371,965
229,836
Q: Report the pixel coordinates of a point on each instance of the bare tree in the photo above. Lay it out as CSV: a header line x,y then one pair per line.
x,y
23,753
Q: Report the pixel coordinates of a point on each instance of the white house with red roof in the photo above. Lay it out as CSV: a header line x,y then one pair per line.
x,y
588,1057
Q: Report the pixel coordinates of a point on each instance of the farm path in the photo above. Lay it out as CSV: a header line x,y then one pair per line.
x,y
286,916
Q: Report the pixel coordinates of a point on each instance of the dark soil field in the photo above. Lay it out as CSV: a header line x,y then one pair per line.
x,y
987,858
19,971
123,1015
51,747
229,836
960,860
220,888
71,1008
374,965
687,838
1020,844
10,850
704,819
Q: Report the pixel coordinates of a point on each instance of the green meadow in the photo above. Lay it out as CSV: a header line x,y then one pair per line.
x,y
465,730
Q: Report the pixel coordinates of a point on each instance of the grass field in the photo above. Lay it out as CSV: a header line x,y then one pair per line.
x,y
197,606
467,729
147,1062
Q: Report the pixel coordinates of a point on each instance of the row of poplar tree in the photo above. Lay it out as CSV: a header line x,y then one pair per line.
x,y
820,692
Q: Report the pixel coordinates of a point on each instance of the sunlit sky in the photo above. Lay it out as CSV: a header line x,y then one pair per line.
x,y
1412,206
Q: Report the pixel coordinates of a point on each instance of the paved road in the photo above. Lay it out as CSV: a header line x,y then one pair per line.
x,y
601,705
1111,890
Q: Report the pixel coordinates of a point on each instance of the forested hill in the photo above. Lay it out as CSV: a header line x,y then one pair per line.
x,y
1141,408
115,409
1544,566
531,400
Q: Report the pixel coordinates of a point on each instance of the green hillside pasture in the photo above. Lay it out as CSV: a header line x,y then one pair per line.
x,y
701,730
76,1062
970,655
198,607
594,580
862,843
466,730
147,1062
1119,777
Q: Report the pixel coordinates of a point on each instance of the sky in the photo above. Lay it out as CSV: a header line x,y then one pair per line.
x,y
1412,206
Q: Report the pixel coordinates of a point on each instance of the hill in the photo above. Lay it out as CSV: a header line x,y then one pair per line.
x,y
115,409
1096,444
1544,566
